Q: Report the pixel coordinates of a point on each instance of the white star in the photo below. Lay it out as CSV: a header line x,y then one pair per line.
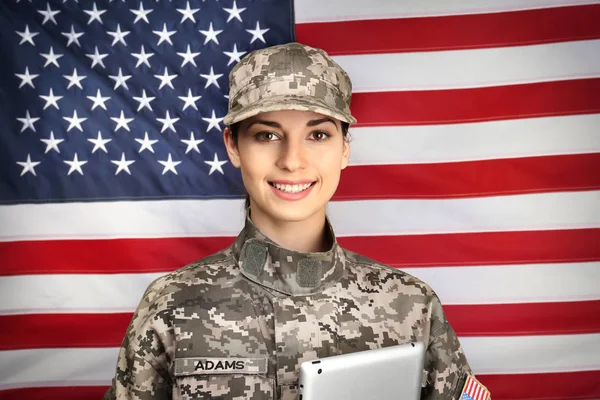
x,y
27,36
215,165
188,57
141,14
188,13
27,78
28,122
211,78
48,14
211,34
52,143
120,80
122,122
234,12
165,79
257,33
75,165
51,58
234,55
146,143
142,57
73,36
167,122
99,143
144,101
213,122
75,79
94,14
165,35
28,165
190,100
169,165
97,58
51,100
192,143
122,164
74,121
98,100
118,35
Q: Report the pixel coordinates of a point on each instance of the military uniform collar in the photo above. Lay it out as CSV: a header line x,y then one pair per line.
x,y
290,272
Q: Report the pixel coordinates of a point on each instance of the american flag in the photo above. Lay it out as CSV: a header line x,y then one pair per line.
x,y
475,166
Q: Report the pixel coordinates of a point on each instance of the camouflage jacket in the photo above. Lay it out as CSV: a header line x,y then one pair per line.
x,y
237,324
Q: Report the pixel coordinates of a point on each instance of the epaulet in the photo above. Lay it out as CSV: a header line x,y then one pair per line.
x,y
474,390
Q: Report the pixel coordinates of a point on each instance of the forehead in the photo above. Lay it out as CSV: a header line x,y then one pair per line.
x,y
289,117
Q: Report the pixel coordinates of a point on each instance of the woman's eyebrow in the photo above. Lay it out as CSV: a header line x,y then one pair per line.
x,y
272,124
319,121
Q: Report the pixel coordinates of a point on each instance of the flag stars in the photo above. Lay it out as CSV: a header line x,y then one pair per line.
x,y
142,57
52,143
190,100
118,35
74,121
144,101
94,14
28,165
120,80
122,164
234,12
210,34
168,122
165,36
75,80
27,78
51,58
49,14
72,36
234,55
99,143
98,100
28,122
188,57
97,58
188,13
216,165
192,143
122,122
213,122
146,143
169,165
165,79
141,14
257,33
75,165
27,36
211,78
51,100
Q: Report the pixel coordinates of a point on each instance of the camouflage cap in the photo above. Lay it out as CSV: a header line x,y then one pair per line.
x,y
291,76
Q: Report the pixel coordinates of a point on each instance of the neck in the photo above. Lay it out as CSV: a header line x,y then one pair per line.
x,y
304,236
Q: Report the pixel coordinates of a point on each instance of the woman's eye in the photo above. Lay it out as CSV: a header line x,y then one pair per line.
x,y
320,136
266,136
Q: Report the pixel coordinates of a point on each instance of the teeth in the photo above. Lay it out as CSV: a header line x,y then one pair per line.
x,y
292,188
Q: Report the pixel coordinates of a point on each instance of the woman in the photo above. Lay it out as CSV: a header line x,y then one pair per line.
x,y
237,324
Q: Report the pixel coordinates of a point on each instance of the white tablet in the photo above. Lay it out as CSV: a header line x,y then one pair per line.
x,y
394,372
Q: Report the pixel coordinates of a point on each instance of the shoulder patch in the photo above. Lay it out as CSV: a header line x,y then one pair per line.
x,y
474,390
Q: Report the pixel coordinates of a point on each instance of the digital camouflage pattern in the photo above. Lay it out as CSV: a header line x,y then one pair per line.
x,y
290,76
237,325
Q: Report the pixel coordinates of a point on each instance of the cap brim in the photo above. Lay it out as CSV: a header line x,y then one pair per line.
x,y
286,102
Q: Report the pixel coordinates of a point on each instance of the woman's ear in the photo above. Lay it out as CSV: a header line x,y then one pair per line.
x,y
232,148
345,153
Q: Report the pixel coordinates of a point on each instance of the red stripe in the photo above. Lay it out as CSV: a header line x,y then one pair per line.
x,y
454,32
550,386
477,104
543,386
168,254
472,178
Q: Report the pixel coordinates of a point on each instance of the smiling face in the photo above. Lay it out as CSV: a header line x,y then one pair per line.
x,y
290,162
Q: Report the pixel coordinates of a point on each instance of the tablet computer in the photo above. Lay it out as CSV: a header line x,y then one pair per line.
x,y
394,372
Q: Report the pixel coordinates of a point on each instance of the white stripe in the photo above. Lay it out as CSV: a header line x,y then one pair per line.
x,y
106,293
532,354
527,137
472,68
344,10
200,218
486,355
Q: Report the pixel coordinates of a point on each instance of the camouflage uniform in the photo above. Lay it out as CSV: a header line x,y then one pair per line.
x,y
237,324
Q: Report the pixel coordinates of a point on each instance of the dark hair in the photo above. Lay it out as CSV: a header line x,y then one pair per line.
x,y
235,129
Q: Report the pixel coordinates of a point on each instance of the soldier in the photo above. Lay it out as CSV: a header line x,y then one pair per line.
x,y
237,324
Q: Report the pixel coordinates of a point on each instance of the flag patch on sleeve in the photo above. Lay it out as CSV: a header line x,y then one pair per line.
x,y
473,390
